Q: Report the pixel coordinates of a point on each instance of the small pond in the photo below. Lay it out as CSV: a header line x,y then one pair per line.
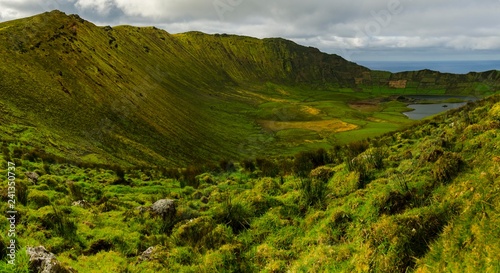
x,y
423,110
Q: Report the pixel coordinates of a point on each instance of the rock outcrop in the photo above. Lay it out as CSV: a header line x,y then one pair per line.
x,y
43,261
165,208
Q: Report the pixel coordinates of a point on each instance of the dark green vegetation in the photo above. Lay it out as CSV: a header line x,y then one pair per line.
x,y
134,95
424,199
332,177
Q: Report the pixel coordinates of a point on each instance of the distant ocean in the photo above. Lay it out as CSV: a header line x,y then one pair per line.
x,y
458,67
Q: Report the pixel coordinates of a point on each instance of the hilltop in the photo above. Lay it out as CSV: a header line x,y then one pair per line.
x,y
141,96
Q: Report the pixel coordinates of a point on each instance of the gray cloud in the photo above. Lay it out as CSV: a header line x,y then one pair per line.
x,y
357,29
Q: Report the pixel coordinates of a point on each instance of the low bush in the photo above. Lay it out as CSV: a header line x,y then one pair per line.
x,y
248,165
192,232
355,148
75,190
268,185
267,167
313,191
38,199
376,156
302,165
60,223
189,176
22,193
227,165
234,213
447,167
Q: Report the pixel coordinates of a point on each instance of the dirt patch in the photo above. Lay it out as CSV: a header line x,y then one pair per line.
x,y
365,106
375,119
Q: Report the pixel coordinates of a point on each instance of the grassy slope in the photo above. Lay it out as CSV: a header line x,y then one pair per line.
x,y
143,96
429,205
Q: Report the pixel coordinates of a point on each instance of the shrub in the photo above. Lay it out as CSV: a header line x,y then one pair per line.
x,y
227,165
268,185
267,167
182,255
313,191
285,165
22,193
192,232
172,173
403,238
50,180
358,165
59,223
338,224
495,112
306,161
355,148
6,153
431,155
189,175
322,173
207,178
376,156
38,198
235,213
302,165
120,173
447,167
75,190
248,165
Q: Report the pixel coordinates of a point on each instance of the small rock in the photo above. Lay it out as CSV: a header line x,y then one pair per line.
x,y
42,261
164,208
32,177
147,254
81,203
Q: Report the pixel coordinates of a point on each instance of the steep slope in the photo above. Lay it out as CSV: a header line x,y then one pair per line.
x,y
141,95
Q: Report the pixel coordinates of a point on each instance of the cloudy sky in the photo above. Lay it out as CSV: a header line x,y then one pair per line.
x,y
358,30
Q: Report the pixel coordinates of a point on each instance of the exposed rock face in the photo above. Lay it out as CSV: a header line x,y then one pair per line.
x,y
398,84
164,207
42,261
32,176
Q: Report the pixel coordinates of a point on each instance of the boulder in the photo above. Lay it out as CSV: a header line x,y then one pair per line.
x,y
42,261
164,207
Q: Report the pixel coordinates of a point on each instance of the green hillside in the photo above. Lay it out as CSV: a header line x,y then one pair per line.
x,y
141,96
423,199
127,149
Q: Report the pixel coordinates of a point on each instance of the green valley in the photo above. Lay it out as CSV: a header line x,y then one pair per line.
x,y
130,149
133,95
